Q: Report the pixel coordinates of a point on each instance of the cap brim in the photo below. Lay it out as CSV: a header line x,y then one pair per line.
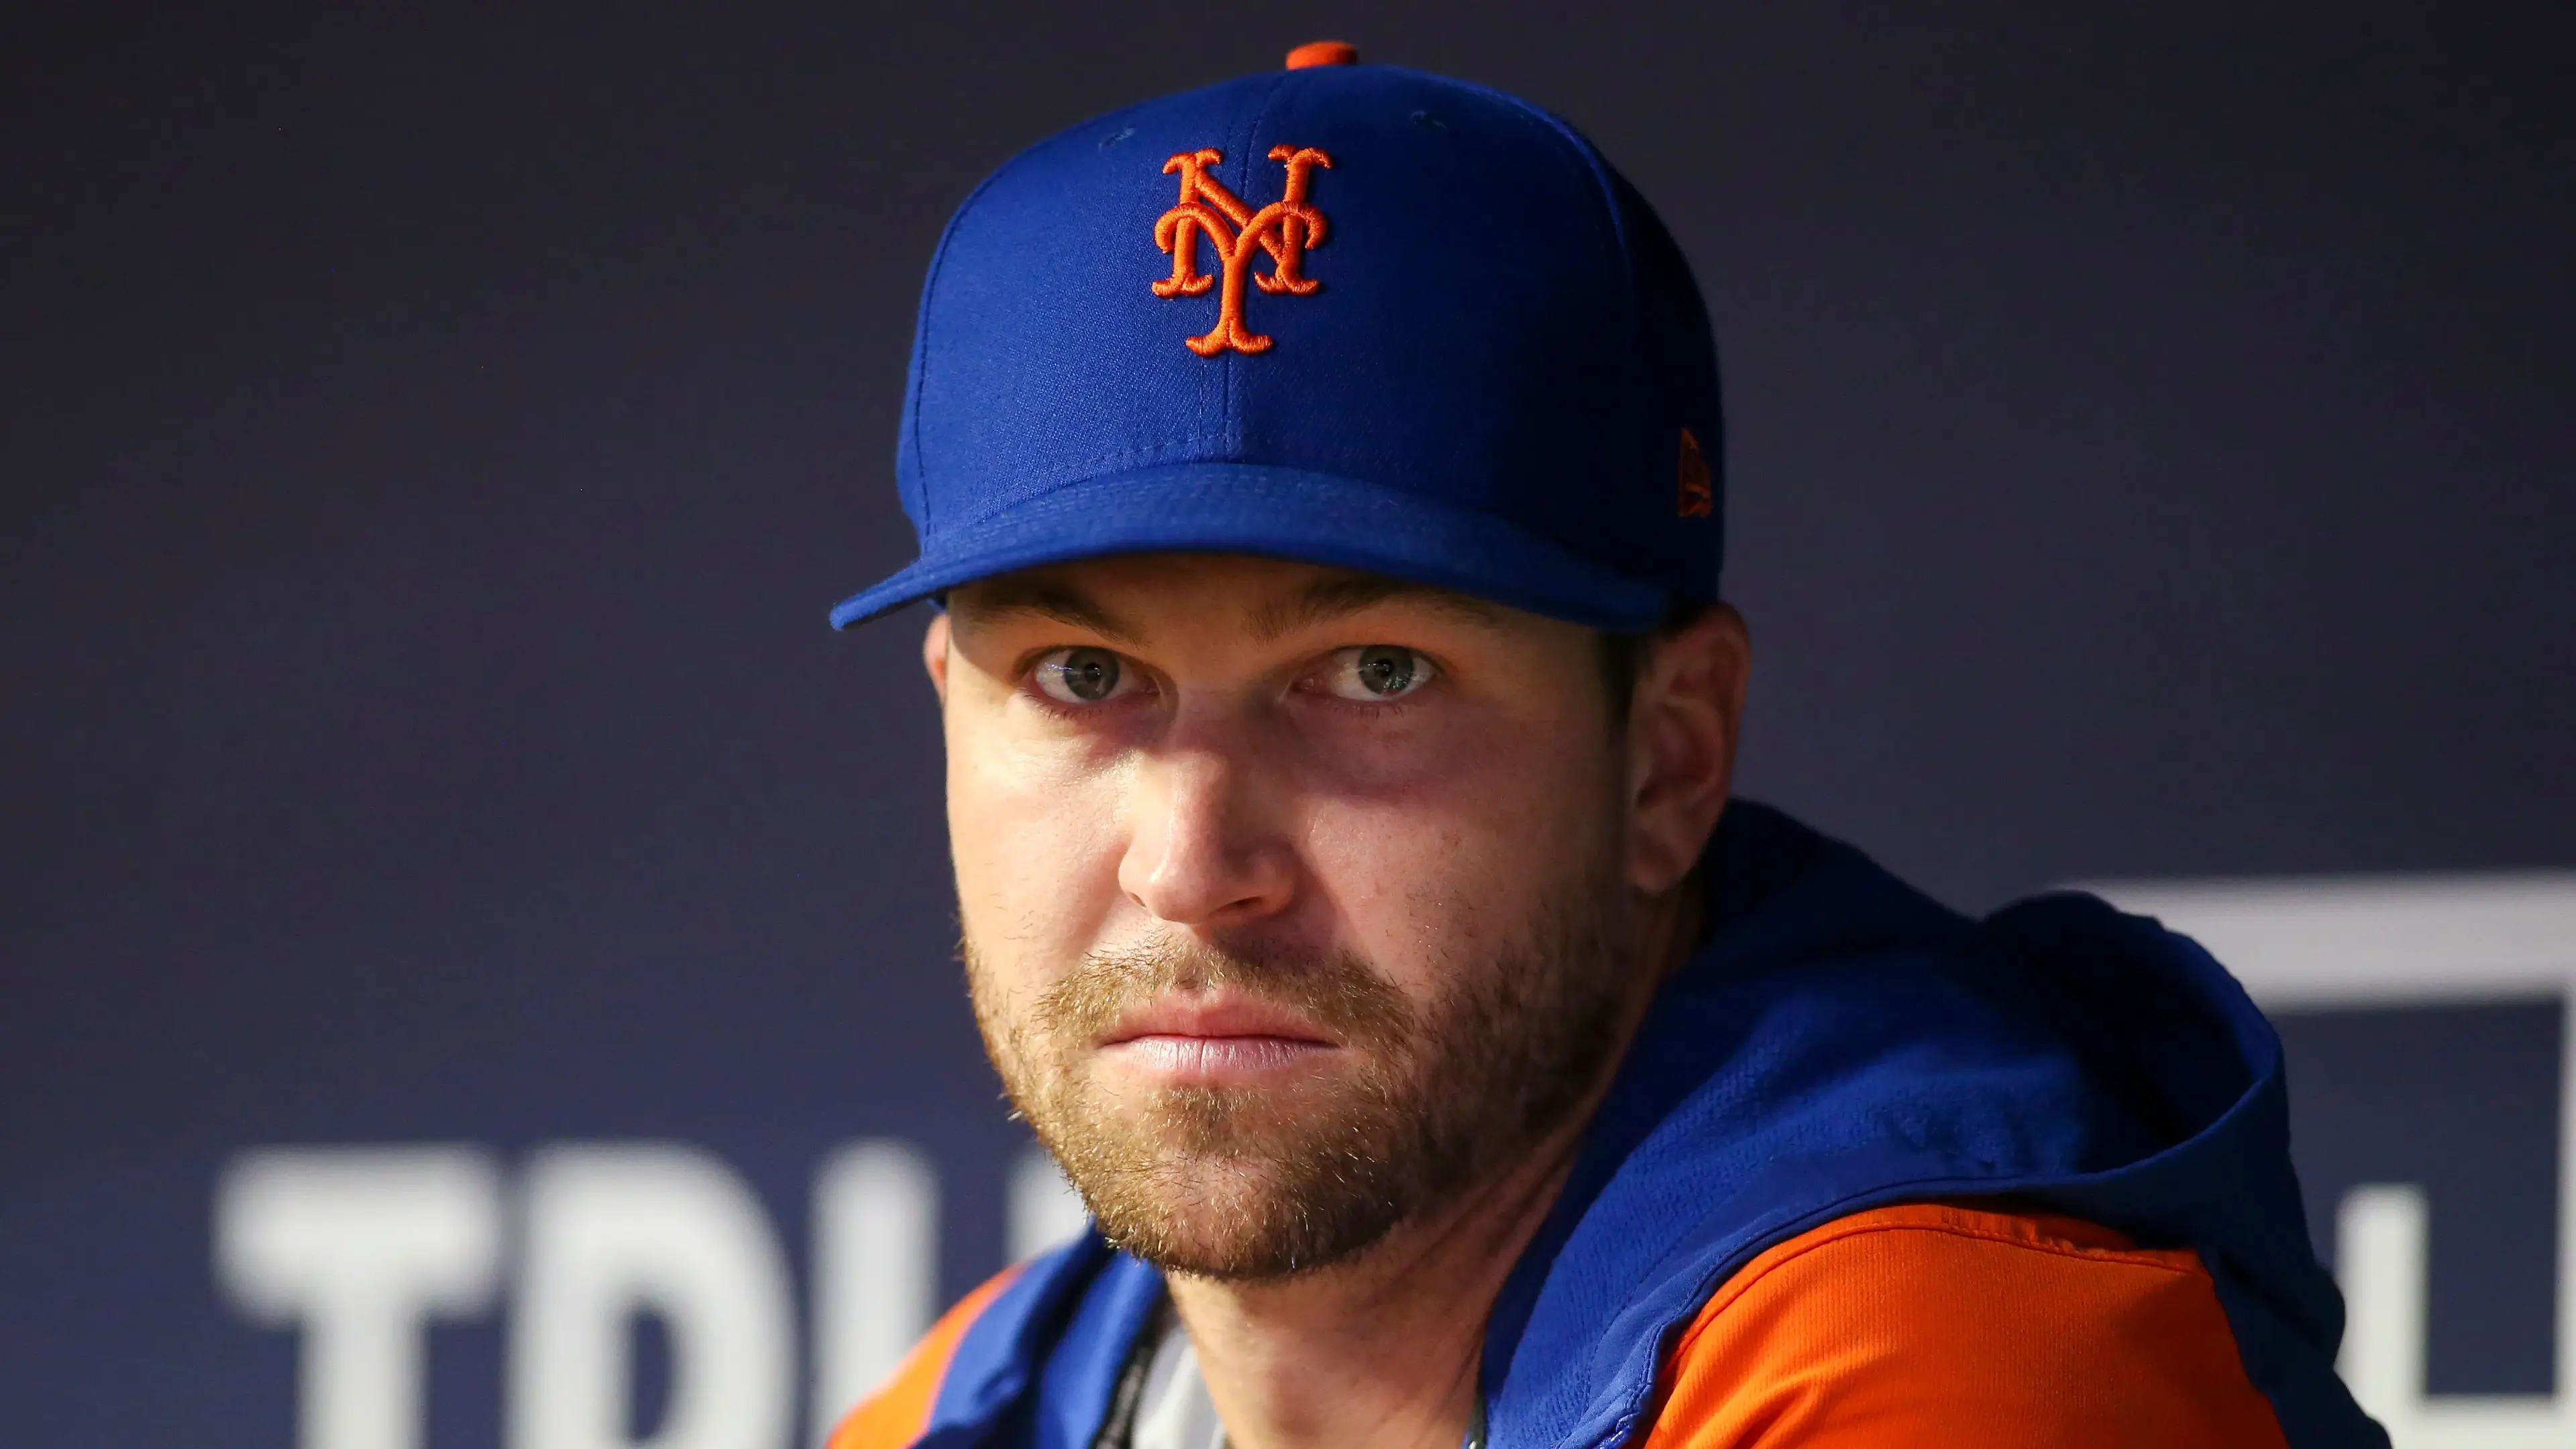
x,y
1279,513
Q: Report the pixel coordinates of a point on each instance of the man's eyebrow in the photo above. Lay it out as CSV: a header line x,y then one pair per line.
x,y
1327,599
1029,598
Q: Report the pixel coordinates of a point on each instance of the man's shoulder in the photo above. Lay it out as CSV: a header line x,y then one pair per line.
x,y
896,1414
1939,1324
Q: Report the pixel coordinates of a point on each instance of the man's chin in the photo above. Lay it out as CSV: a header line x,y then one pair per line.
x,y
1233,1199
1239,1221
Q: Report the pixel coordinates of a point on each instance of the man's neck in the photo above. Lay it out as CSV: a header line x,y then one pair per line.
x,y
1383,1351
1380,1352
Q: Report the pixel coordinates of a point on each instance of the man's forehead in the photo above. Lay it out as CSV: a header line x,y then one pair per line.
x,y
1128,598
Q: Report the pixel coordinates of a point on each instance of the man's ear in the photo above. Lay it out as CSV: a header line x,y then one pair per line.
x,y
934,653
1682,729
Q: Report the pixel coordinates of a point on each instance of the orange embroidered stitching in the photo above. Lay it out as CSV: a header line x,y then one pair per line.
x,y
1697,498
1285,229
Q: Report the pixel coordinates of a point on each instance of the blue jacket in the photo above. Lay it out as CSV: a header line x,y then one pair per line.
x,y
1840,1044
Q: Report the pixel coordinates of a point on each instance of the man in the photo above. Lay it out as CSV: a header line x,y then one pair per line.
x,y
1318,473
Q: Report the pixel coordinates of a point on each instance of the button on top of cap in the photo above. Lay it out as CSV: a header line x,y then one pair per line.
x,y
1323,52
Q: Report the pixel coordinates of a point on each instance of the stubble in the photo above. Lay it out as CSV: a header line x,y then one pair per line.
x,y
1248,1183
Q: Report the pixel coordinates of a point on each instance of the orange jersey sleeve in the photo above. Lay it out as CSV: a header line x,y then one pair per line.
x,y
1933,1325
899,1410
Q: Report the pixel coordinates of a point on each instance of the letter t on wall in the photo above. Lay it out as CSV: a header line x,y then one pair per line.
x,y
360,1246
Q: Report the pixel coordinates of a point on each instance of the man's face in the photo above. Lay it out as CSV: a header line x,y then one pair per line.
x,y
1293,899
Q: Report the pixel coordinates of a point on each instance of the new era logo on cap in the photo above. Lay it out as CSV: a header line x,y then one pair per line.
x,y
1486,407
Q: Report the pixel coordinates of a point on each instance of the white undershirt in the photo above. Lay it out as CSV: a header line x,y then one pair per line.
x,y
1174,1410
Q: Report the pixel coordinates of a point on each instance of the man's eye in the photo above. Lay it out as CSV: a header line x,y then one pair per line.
x,y
1375,672
1080,676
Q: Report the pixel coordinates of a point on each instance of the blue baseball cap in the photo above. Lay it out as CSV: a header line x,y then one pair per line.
x,y
1339,313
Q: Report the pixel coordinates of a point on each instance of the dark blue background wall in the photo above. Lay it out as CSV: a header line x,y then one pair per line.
x,y
429,443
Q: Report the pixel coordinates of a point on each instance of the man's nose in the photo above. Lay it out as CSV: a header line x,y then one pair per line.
x,y
1204,848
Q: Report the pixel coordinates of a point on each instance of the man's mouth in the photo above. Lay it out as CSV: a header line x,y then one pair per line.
x,y
1214,1041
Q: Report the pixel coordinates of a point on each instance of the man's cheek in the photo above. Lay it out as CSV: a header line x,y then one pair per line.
x,y
1404,880
1048,849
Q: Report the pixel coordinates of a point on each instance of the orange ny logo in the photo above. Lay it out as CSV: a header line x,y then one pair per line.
x,y
1284,228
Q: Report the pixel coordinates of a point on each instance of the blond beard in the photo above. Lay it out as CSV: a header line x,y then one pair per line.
x,y
1250,1183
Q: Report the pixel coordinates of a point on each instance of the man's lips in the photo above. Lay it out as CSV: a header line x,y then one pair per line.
x,y
1213,1042
1216,1019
